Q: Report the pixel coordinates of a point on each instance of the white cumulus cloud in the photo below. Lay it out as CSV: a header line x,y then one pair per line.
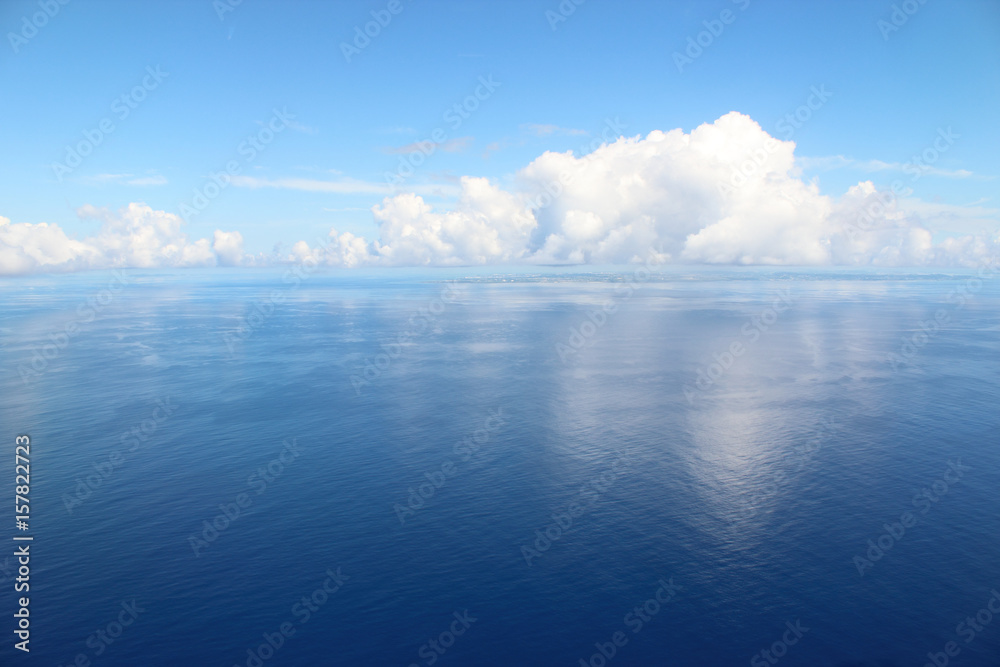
x,y
725,193
135,236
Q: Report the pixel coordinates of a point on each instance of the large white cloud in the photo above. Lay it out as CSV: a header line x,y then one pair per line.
x,y
727,193
135,236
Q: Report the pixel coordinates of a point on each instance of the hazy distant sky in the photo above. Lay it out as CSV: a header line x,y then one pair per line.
x,y
211,75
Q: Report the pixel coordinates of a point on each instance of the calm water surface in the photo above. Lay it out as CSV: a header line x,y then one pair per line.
x,y
533,457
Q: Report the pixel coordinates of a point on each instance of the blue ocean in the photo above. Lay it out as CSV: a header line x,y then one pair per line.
x,y
694,468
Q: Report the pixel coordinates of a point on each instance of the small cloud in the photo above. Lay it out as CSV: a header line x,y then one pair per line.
x,y
456,145
128,179
148,180
414,147
445,177
949,173
344,186
831,162
540,130
494,147
134,236
317,170
299,127
531,130
108,178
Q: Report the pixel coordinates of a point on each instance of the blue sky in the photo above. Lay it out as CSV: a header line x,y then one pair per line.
x,y
559,83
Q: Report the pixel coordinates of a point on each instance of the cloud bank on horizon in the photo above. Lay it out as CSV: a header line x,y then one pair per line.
x,y
725,193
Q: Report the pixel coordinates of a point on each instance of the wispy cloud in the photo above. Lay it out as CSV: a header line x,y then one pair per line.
x,y
317,170
831,162
348,186
445,176
456,145
528,131
544,130
299,127
773,218
127,179
953,219
344,186
950,211
148,180
493,147
108,178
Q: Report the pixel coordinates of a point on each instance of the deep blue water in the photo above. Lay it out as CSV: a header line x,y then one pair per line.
x,y
750,495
